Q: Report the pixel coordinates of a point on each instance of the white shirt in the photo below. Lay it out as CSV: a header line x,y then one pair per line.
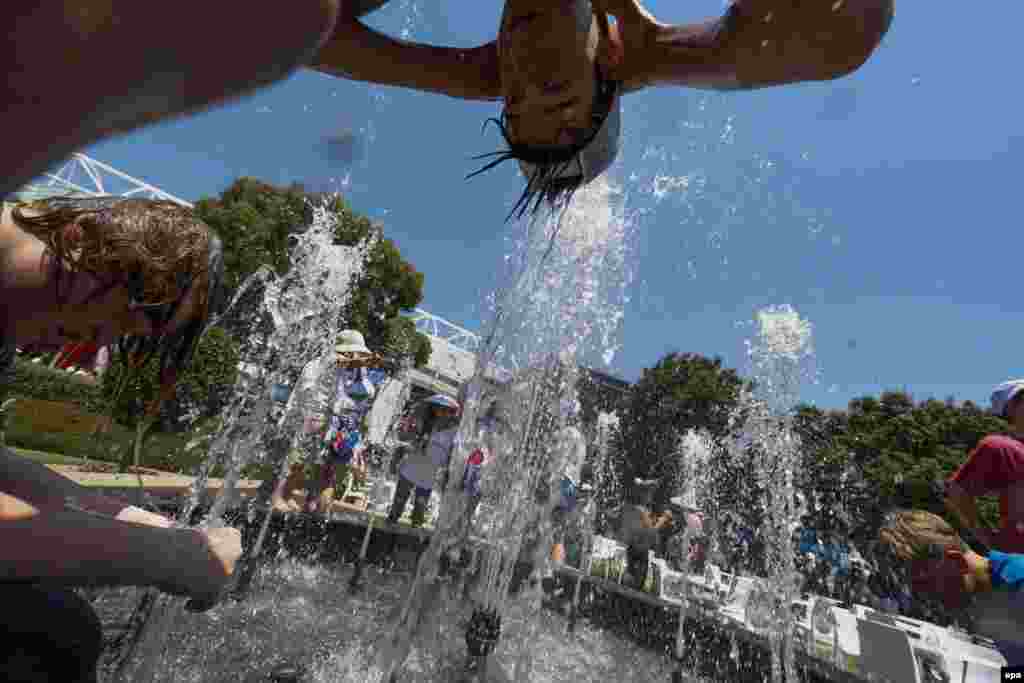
x,y
422,464
572,446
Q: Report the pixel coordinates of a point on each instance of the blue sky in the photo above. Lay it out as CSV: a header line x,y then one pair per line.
x,y
882,206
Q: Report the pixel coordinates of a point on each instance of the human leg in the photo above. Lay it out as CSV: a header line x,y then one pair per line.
x,y
49,635
419,506
402,493
636,559
81,71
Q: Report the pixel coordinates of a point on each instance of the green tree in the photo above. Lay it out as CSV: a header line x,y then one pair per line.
x,y
882,453
388,286
682,391
255,220
201,391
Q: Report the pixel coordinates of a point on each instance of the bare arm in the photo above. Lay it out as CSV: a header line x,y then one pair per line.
x,y
359,53
962,506
46,490
75,548
757,43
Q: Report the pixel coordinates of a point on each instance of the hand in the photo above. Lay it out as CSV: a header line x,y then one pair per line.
x,y
139,516
202,563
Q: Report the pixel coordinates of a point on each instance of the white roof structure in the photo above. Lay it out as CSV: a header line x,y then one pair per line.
x,y
83,176
452,357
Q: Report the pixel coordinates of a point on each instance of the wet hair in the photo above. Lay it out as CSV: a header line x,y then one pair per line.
x,y
916,534
160,250
549,183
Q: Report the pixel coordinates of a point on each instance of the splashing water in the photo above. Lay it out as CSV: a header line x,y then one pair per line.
x,y
294,329
567,275
781,356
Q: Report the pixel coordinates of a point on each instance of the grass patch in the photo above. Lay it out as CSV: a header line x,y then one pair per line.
x,y
44,458
54,430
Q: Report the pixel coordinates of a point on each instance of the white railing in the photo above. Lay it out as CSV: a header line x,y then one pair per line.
x,y
84,176
432,325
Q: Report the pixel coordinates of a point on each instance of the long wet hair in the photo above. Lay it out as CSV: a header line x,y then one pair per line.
x,y
548,184
160,247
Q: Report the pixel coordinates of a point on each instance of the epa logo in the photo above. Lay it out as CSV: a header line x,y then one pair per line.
x,y
1013,673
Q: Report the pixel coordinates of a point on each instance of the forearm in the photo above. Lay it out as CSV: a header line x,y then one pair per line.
x,y
357,52
45,489
762,43
963,507
79,549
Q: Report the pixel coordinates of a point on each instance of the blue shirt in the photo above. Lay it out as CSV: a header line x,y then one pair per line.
x,y
1007,570
999,613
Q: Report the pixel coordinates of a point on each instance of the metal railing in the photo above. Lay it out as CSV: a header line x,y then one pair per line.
x,y
84,176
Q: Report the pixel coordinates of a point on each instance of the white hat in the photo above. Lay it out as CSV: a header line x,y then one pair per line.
x,y
351,341
1003,394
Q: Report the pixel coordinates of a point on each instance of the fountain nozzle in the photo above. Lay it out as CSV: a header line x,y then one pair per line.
x,y
483,632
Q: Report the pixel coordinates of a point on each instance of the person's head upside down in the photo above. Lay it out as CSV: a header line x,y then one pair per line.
x,y
561,115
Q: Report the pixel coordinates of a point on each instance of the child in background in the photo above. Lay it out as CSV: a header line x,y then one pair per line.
x,y
942,566
421,466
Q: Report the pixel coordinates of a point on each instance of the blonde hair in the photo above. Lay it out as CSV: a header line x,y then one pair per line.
x,y
113,237
910,534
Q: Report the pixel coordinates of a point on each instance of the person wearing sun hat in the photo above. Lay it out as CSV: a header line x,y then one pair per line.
x,y
561,68
995,466
341,409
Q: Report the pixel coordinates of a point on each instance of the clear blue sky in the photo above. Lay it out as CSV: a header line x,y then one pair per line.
x,y
883,206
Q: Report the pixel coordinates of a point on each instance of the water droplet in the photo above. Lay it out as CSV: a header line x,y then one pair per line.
x,y
916,80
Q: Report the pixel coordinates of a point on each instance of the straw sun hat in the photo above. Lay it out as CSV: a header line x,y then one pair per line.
x,y
350,343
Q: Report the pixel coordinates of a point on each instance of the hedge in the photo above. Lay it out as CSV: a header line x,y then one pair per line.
x,y
35,380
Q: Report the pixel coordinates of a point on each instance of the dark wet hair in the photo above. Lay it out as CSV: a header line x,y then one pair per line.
x,y
549,184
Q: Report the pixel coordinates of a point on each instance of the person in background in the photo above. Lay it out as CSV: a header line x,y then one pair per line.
x,y
144,275
418,472
641,529
674,549
339,410
995,466
571,449
943,567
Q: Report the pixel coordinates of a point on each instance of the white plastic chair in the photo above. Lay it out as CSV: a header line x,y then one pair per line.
x,y
886,653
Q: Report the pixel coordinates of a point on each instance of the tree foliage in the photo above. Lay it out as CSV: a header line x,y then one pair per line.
x,y
202,389
886,452
682,391
255,221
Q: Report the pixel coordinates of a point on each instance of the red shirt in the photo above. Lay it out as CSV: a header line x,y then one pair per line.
x,y
997,466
